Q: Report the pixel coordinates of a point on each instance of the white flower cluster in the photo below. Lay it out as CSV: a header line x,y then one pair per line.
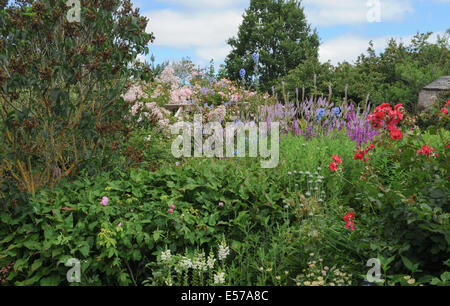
x,y
224,251
217,114
181,95
219,278
211,261
168,77
152,112
200,263
165,256
186,263
133,94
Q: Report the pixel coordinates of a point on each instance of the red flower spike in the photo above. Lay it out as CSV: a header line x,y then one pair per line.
x,y
349,220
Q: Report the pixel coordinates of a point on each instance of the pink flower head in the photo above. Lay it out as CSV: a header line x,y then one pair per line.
x,y
173,206
444,111
221,204
171,210
120,224
104,201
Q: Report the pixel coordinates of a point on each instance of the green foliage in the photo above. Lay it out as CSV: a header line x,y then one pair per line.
x,y
404,200
268,218
60,85
278,32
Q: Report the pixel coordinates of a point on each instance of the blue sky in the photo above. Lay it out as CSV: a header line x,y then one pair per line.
x,y
199,28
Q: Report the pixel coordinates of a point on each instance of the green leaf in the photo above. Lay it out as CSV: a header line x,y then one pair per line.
x,y
51,281
157,235
20,263
37,264
409,265
212,220
85,250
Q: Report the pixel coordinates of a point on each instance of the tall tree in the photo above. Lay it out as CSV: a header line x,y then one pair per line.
x,y
277,30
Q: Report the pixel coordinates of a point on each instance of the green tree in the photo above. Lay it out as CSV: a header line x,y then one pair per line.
x,y
277,30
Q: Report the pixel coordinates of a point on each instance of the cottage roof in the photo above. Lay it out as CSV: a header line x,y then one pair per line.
x,y
443,83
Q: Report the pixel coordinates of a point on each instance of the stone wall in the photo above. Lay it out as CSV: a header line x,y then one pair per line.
x,y
427,98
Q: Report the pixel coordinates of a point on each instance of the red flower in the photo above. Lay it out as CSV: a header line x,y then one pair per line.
x,y
359,156
448,103
337,159
428,151
384,115
396,133
361,153
333,166
349,219
444,111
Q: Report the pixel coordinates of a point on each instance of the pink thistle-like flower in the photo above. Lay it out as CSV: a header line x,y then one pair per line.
x,y
173,206
171,210
104,201
120,224
221,204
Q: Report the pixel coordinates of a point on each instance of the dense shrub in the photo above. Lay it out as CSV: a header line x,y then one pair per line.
x,y
60,85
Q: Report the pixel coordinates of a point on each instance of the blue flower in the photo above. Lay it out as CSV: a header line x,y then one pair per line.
x,y
336,111
256,58
242,73
320,114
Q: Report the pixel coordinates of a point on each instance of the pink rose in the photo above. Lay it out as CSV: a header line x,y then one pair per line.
x,y
104,201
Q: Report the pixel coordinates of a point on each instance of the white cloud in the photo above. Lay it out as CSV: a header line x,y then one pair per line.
x,y
206,33
218,53
207,4
353,12
349,47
